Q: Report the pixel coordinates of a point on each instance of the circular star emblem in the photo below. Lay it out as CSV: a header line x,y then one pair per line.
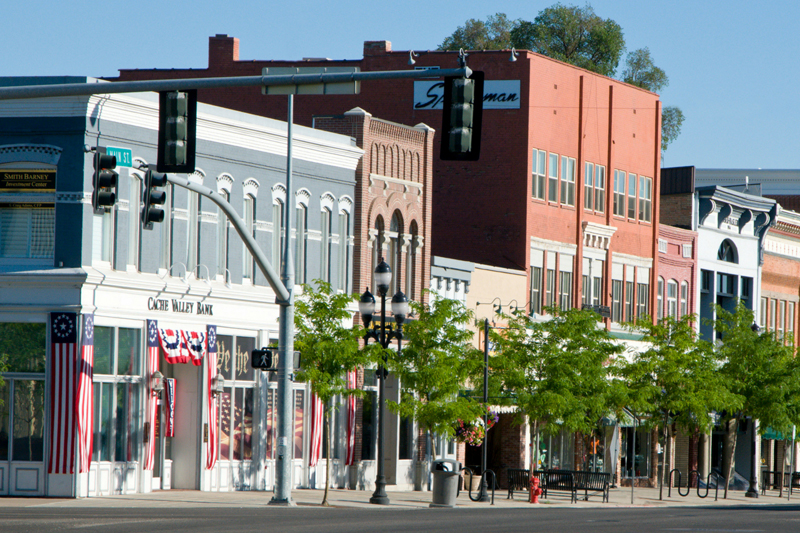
x,y
212,339
63,326
153,332
89,327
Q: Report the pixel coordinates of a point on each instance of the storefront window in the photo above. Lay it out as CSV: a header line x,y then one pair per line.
x,y
236,403
641,464
117,394
556,450
299,406
270,436
23,346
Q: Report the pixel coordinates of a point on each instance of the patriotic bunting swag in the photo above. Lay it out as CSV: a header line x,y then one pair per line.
x,y
84,400
64,347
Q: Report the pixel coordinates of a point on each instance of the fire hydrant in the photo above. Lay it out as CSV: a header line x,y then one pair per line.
x,y
535,490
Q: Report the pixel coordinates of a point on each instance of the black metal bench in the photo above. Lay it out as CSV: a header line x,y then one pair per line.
x,y
597,482
557,480
519,479
769,480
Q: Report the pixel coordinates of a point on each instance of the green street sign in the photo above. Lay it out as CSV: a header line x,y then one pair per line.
x,y
123,155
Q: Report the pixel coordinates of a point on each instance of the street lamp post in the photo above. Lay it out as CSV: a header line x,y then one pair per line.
x,y
752,490
483,495
379,333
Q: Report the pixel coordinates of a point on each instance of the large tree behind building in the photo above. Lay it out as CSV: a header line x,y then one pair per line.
x,y
574,35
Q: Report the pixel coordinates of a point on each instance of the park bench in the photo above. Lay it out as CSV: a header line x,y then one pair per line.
x,y
769,479
519,479
597,482
557,480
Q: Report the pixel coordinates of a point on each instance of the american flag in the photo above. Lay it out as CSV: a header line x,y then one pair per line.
x,y
170,424
317,412
351,419
64,347
195,343
85,397
211,371
152,366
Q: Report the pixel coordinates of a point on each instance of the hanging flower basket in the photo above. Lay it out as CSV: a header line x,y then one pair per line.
x,y
474,432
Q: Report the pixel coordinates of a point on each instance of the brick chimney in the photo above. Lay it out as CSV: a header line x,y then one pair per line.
x,y
222,50
377,48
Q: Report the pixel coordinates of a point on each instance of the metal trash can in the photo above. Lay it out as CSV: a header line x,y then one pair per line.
x,y
445,482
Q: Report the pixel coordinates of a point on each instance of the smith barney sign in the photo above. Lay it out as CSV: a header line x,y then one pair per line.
x,y
27,180
497,94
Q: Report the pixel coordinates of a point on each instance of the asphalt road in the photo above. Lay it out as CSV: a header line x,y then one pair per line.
x,y
730,519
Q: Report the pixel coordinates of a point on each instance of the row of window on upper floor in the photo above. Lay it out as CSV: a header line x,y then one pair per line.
x,y
334,236
554,178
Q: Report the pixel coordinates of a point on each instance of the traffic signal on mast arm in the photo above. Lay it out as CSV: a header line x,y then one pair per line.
x,y
177,131
461,118
152,198
104,180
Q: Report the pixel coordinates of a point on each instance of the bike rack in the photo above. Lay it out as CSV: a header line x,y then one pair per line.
x,y
689,484
669,482
483,475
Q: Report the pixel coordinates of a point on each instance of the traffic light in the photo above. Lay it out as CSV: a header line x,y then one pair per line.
x,y
461,118
264,359
104,180
177,131
152,198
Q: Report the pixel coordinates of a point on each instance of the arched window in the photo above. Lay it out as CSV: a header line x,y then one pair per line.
x,y
377,248
302,239
395,251
727,252
133,220
411,261
672,298
684,298
250,220
222,238
325,258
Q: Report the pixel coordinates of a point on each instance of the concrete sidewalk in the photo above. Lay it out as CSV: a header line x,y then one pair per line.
x,y
619,498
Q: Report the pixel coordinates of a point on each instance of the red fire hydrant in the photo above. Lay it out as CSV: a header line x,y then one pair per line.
x,y
535,490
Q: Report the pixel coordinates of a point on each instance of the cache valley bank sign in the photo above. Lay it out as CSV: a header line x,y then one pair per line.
x,y
497,94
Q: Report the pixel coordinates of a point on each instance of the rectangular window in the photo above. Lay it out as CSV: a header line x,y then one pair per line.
x,y
586,291
29,233
133,222
370,421
278,235
600,189
538,163
27,428
193,242
565,302
790,321
550,293
552,184
643,291
406,439
684,298
746,290
705,280
762,314
781,318
567,180
773,312
222,240
672,299
632,196
660,299
597,291
616,300
645,198
588,186
301,241
249,220
629,301
536,290
619,192
299,408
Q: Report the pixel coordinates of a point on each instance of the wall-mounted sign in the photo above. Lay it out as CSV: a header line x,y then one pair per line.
x,y
25,205
180,306
25,180
497,94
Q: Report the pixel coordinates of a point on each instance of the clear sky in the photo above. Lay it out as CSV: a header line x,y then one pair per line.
x,y
733,66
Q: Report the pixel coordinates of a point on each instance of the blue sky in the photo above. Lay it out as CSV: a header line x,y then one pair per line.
x,y
733,66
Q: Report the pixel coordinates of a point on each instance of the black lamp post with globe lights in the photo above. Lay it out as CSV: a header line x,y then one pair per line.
x,y
383,334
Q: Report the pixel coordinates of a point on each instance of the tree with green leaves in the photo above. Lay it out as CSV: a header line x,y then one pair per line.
x,y
761,371
329,349
557,370
675,380
575,35
494,34
433,366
